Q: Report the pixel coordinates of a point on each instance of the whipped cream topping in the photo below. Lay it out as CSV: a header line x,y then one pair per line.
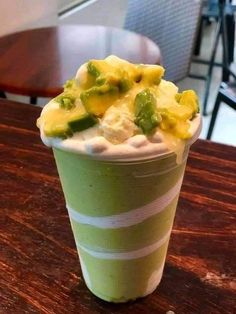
x,y
91,142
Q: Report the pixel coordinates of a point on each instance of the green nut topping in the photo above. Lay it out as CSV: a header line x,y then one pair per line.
x,y
146,115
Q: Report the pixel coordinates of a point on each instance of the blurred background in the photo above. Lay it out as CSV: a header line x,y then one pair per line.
x,y
196,39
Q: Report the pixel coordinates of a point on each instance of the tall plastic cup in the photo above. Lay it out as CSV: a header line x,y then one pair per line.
x,y
121,214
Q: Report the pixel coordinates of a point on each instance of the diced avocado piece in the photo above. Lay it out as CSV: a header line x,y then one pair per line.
x,y
111,78
93,69
146,115
55,121
98,99
132,70
98,73
100,81
124,85
69,84
174,123
189,99
60,129
102,73
115,73
178,96
82,123
182,130
168,120
66,101
180,112
152,74
99,67
84,78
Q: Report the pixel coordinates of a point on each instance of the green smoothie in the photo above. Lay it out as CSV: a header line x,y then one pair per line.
x,y
121,216
120,136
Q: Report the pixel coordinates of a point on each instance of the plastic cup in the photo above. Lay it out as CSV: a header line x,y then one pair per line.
x,y
121,213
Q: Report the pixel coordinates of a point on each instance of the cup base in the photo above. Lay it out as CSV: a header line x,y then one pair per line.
x,y
124,299
121,299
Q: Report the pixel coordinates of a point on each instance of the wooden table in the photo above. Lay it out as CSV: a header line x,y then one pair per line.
x,y
39,268
37,62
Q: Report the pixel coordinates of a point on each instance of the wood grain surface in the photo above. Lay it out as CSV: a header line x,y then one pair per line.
x,y
39,267
38,62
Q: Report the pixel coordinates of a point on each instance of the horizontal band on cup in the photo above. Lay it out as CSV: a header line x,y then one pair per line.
x,y
133,217
147,250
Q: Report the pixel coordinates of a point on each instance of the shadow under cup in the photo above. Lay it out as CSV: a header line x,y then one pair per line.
x,y
121,213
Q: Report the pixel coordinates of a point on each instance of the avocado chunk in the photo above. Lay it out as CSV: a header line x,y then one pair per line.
x,y
125,68
180,112
98,99
82,123
146,115
69,84
101,72
99,67
178,97
175,118
97,73
152,74
188,99
66,101
93,69
125,84
59,129
56,122
179,128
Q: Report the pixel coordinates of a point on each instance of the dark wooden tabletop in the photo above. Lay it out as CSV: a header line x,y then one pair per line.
x,y
39,267
38,62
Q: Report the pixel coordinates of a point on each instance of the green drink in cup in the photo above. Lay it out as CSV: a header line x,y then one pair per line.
x,y
120,136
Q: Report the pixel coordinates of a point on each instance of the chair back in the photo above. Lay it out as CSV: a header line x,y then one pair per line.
x,y
172,25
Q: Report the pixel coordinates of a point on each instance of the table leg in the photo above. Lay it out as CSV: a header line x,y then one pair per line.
x,y
211,64
213,117
2,94
33,100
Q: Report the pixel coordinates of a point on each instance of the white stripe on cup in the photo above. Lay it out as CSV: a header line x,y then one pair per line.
x,y
130,218
147,250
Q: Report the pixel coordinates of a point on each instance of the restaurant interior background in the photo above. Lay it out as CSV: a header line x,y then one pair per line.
x,y
32,14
